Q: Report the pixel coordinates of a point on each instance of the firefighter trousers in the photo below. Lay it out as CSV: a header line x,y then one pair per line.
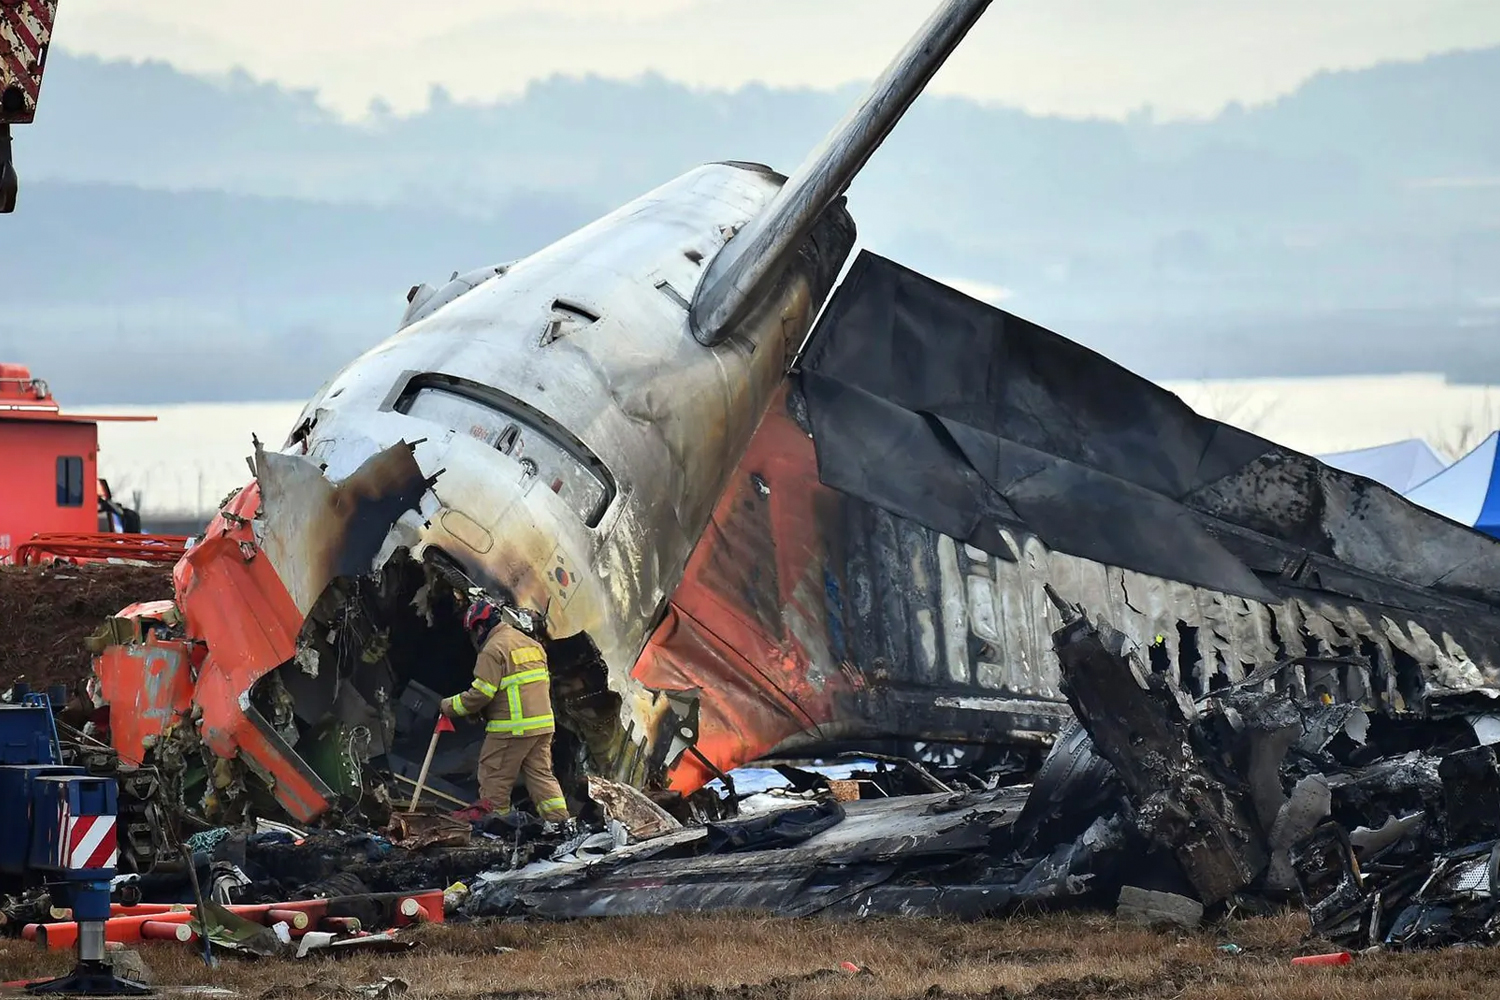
x,y
504,758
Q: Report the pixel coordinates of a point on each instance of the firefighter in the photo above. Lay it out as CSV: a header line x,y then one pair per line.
x,y
511,692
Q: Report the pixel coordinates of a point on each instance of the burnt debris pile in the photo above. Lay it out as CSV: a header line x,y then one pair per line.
x,y
1378,811
1268,792
1387,828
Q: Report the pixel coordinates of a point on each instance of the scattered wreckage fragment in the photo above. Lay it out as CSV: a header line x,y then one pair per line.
x,y
1174,794
1389,829
1429,874
1254,791
910,854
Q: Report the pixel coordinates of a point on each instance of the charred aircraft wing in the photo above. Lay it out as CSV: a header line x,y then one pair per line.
x,y
873,577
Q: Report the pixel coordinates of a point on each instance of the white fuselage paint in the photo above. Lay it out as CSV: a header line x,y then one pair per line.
x,y
667,417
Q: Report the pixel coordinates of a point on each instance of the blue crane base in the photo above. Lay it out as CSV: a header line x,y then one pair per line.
x,y
55,798
92,976
90,979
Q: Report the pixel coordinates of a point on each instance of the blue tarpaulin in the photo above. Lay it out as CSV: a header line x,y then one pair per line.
x,y
1468,491
1401,465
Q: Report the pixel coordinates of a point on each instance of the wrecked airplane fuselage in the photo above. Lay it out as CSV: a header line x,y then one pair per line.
x,y
872,575
577,434
744,550
554,434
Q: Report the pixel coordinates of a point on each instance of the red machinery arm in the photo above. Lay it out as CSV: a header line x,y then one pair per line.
x,y
25,34
92,547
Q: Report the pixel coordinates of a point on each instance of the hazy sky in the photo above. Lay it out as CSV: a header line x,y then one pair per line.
x,y
1080,57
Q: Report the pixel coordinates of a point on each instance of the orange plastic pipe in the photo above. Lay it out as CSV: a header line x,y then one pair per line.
x,y
144,909
418,908
296,920
127,928
421,908
161,930
59,936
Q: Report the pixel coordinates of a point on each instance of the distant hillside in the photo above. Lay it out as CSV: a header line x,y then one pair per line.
x,y
1353,225
131,295
150,125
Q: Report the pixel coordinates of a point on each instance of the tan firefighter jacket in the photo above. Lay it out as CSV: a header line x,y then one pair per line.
x,y
511,689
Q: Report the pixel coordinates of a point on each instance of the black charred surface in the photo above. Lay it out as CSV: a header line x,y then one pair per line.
x,y
1176,800
1392,838
384,663
827,247
919,474
735,556
1471,795
1328,874
342,864
865,594
587,710
965,418
1072,788
934,852
366,504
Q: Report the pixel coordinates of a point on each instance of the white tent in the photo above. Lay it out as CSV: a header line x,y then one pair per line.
x,y
1468,491
1399,465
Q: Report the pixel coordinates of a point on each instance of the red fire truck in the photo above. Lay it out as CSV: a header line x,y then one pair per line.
x,y
52,502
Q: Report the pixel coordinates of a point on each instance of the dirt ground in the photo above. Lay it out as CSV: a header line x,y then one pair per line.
x,y
47,612
1059,957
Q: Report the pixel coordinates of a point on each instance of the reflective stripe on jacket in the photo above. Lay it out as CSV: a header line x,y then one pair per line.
x,y
511,690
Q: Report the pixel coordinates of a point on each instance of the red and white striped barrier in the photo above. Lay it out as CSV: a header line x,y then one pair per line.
x,y
91,843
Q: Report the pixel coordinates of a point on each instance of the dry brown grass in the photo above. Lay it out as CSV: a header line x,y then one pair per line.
x,y
1063,957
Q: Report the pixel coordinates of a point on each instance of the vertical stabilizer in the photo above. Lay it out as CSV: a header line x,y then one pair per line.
x,y
743,272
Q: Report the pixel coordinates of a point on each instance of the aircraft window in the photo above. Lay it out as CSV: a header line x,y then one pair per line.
x,y
541,457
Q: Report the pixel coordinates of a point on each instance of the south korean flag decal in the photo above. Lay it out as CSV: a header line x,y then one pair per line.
x,y
560,578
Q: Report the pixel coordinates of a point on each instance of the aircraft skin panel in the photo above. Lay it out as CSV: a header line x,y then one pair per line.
x,y
1020,425
808,619
875,574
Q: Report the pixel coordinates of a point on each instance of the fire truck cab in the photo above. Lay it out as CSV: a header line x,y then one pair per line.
x,y
49,481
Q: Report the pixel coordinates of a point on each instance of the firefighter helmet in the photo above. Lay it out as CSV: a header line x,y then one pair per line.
x,y
480,613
